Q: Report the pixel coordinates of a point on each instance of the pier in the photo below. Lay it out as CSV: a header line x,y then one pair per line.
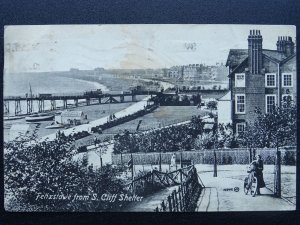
x,y
99,98
94,97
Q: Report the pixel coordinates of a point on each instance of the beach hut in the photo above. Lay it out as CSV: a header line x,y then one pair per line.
x,y
71,117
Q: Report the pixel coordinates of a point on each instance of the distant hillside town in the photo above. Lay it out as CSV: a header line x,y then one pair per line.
x,y
190,73
198,72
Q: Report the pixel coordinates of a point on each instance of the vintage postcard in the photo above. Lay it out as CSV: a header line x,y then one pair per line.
x,y
150,118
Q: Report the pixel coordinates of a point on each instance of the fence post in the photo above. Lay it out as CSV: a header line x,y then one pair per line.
x,y
277,181
160,161
176,200
183,195
180,171
215,164
163,206
152,178
180,198
173,201
170,203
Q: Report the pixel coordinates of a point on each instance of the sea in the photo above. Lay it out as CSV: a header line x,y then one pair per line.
x,y
18,84
41,83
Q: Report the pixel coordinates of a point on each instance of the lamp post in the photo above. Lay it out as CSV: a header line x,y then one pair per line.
x,y
215,155
101,163
100,153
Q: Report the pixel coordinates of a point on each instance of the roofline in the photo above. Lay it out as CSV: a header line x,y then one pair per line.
x,y
288,58
218,99
273,50
230,51
271,58
237,67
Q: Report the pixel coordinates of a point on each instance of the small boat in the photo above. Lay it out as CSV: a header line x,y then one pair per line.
x,y
39,117
13,117
55,126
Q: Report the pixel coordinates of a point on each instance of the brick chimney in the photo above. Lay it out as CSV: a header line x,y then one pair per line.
x,y
279,44
255,52
289,47
286,45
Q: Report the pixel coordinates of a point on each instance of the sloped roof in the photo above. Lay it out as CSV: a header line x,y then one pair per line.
x,y
237,56
288,58
71,113
226,97
279,56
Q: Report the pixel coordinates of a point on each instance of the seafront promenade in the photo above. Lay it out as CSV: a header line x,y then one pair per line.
x,y
87,127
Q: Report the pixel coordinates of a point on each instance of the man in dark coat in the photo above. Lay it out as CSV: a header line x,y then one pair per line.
x,y
259,173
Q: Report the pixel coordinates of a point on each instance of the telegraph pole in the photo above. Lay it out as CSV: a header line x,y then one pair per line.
x,y
215,155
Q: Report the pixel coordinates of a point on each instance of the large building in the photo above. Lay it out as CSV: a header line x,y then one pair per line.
x,y
258,78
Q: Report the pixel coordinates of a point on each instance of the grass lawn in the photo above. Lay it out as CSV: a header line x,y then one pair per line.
x,y
164,115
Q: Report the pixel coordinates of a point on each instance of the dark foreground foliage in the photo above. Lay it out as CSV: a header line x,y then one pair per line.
x,y
35,170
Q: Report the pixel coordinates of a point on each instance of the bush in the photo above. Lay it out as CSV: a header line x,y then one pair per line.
x,y
82,149
212,104
47,168
289,158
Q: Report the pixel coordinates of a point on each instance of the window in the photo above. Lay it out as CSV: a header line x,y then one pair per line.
x,y
239,80
270,80
287,80
240,103
270,102
240,128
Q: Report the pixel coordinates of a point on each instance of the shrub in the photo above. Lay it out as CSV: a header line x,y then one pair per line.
x,y
47,168
212,104
289,158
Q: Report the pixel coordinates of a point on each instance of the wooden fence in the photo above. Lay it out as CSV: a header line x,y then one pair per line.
x,y
154,177
184,199
224,156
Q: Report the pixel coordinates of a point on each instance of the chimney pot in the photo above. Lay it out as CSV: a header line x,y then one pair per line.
x,y
255,57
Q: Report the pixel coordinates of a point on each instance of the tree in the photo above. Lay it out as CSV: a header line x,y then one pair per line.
x,y
212,105
226,137
48,168
275,129
204,141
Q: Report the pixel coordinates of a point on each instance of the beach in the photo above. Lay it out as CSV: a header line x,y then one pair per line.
x,y
52,83
62,83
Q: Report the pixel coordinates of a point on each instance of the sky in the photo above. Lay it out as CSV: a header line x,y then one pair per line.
x,y
43,48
